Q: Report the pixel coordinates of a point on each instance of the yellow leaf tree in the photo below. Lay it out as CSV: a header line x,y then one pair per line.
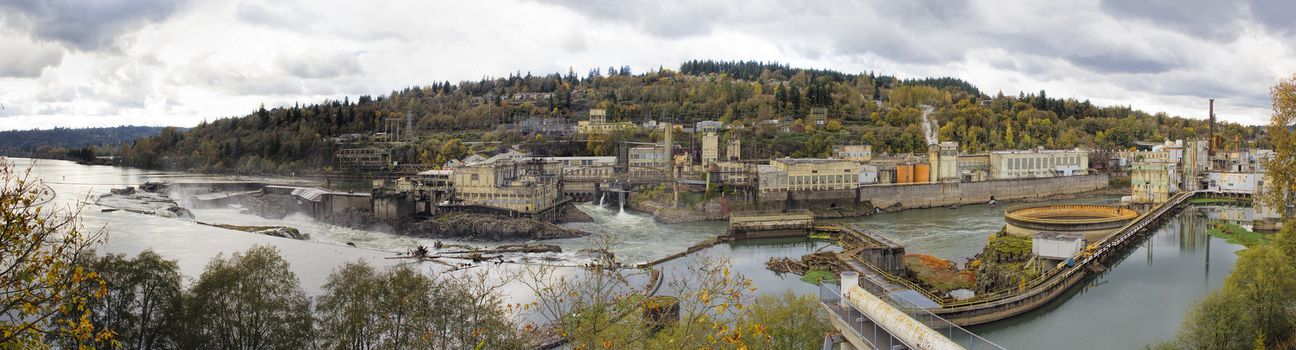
x,y
40,278
1280,176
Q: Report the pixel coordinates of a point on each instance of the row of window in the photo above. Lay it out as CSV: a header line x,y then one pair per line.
x,y
1040,162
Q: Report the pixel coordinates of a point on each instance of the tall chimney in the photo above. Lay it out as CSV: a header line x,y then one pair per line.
x,y
1210,143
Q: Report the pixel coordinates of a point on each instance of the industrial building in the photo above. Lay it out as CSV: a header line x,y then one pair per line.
x,y
708,126
369,158
647,157
1038,163
1154,180
1249,183
710,148
974,167
800,174
942,160
526,187
598,124
734,150
547,126
854,153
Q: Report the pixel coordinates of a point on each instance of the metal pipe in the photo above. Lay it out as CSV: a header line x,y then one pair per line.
x,y
911,332
848,278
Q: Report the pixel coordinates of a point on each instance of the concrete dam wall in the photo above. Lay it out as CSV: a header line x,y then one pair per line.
x,y
934,194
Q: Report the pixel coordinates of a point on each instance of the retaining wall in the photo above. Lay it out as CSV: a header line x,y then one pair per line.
x,y
936,194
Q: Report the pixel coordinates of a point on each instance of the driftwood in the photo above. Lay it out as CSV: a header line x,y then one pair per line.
x,y
814,261
785,265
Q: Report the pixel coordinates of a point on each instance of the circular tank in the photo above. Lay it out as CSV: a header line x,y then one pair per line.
x,y
1095,222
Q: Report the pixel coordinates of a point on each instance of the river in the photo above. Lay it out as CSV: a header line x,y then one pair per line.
x,y
1138,301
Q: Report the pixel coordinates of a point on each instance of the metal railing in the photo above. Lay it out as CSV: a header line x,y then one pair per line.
x,y
867,328
860,324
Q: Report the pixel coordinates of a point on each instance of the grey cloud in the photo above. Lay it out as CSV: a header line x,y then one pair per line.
x,y
1123,63
24,59
86,25
1211,19
300,17
1276,15
319,66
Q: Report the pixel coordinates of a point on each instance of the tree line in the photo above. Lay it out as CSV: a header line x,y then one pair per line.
x,y
765,103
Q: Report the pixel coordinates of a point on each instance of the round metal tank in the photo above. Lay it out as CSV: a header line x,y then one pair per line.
x,y
921,173
904,174
1095,222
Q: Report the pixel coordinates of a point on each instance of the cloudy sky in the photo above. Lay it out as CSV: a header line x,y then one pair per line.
x,y
77,63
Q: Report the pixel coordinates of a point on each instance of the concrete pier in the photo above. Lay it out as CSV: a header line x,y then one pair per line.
x,y
770,224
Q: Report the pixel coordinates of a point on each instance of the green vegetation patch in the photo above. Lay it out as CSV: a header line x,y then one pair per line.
x,y
1238,235
818,276
1007,248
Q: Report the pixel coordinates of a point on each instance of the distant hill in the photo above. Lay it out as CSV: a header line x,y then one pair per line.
x,y
766,105
47,142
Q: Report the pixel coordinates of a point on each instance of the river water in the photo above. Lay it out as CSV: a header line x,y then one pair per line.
x,y
1138,301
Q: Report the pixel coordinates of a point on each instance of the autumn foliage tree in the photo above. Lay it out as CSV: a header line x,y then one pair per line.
x,y
401,308
1280,175
141,306
251,300
41,246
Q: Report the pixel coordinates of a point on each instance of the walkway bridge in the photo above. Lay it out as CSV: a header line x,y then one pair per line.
x,y
877,309
871,317
990,307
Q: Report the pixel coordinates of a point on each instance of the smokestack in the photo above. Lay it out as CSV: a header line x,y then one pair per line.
x,y
1210,143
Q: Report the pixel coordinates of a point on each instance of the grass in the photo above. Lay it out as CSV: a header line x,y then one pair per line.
x,y
1238,235
818,276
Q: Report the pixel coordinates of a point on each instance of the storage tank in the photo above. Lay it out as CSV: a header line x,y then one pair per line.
x,y
904,174
921,173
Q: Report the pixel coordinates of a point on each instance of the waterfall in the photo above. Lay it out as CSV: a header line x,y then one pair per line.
x,y
601,199
930,128
622,206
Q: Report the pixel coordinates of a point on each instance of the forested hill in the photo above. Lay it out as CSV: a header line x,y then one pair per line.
x,y
863,108
52,142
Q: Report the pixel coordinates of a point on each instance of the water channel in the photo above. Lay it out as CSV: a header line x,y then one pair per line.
x,y
1138,301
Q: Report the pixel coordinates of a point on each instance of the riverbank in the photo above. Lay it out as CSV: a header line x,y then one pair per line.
x,y
717,209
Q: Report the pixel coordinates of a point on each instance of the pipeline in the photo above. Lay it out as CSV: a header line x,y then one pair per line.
x,y
911,332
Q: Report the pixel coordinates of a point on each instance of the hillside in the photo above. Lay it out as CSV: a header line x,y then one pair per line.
x,y
55,143
862,108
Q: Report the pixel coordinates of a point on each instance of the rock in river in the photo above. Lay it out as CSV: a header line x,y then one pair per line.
x,y
129,199
481,227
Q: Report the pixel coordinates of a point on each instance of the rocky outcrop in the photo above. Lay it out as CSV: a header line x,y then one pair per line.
x,y
481,227
129,199
572,214
665,214
277,231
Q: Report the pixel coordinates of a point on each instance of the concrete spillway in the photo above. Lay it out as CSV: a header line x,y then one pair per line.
x,y
1095,222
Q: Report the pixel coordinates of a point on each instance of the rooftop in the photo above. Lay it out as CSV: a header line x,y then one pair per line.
x,y
808,160
1059,236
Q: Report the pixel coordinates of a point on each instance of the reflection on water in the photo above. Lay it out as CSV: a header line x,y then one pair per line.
x,y
1140,300
953,234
